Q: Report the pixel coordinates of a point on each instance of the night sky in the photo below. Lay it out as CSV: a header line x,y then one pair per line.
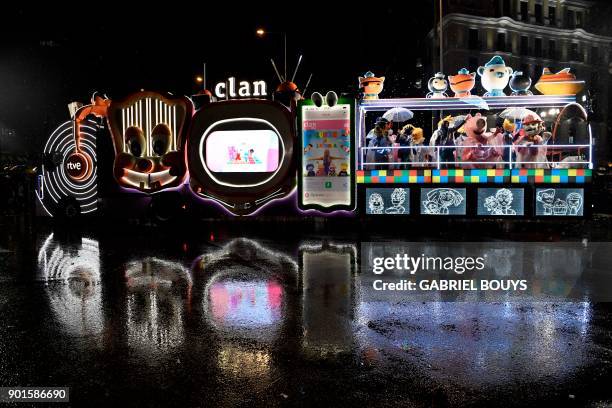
x,y
50,56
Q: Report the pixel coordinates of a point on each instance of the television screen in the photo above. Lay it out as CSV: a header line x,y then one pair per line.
x,y
560,202
326,155
242,151
501,201
390,201
443,201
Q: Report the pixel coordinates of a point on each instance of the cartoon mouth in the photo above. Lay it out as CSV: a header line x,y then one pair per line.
x,y
148,180
461,82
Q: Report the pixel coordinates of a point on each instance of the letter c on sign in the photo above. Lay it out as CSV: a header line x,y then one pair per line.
x,y
220,93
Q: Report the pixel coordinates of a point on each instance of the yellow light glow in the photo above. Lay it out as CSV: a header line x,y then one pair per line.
x,y
199,79
260,31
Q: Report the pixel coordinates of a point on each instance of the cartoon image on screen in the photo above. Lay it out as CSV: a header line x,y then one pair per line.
x,y
560,202
394,201
500,201
443,201
326,154
238,151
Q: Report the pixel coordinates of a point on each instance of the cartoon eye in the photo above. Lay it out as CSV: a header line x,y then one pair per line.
x,y
161,137
135,140
491,70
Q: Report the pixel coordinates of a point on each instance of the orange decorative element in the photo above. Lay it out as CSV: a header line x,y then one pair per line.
x,y
462,83
561,83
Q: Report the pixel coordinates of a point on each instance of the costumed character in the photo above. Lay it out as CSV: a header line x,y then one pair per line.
x,y
530,143
480,146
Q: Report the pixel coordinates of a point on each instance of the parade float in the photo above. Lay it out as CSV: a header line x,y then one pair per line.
x,y
244,151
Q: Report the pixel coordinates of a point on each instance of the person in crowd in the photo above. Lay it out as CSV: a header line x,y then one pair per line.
x,y
379,139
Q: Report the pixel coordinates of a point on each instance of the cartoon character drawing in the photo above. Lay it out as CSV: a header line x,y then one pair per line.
x,y
530,152
371,85
500,203
376,204
440,200
462,83
437,85
494,76
574,203
557,206
398,197
343,170
547,198
310,170
520,84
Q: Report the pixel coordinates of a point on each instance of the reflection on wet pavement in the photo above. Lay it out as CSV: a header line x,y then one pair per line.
x,y
266,323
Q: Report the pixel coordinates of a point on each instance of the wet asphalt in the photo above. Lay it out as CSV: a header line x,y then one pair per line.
x,y
210,316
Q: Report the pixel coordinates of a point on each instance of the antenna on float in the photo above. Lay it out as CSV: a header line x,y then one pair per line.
x,y
296,69
280,78
307,83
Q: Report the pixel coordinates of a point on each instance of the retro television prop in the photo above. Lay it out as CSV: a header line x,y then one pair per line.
x,y
241,153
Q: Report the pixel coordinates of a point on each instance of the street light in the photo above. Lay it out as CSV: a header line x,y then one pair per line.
x,y
261,32
199,79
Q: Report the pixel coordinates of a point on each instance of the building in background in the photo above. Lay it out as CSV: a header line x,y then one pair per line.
x,y
531,35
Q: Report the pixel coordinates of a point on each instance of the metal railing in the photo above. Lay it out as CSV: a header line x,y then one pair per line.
x,y
434,153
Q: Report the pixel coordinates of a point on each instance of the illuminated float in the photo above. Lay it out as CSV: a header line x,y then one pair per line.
x,y
240,153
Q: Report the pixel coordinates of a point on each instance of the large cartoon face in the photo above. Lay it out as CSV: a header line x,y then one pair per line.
x,y
495,77
149,133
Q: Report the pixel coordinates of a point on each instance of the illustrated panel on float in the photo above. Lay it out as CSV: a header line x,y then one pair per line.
x,y
326,156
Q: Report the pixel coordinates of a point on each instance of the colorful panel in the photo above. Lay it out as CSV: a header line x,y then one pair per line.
x,y
473,176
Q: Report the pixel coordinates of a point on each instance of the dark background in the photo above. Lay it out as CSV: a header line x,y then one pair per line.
x,y
52,55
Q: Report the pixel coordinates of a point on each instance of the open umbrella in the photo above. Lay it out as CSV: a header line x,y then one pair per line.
x,y
518,113
398,115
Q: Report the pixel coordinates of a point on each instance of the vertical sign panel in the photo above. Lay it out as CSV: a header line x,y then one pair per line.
x,y
326,179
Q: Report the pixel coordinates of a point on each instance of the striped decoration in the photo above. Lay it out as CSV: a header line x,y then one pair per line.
x,y
471,176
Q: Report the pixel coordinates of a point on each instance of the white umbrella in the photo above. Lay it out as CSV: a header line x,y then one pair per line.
x,y
518,113
398,115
